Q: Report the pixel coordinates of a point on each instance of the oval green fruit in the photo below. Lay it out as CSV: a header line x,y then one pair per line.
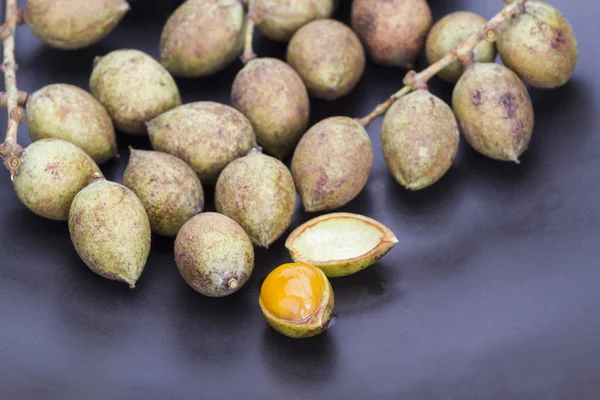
x,y
214,255
451,31
257,191
66,112
202,37
167,187
332,163
134,88
419,139
539,45
73,24
110,231
328,56
206,135
393,31
273,97
280,19
52,172
494,111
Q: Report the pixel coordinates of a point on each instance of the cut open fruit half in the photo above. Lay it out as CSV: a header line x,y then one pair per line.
x,y
340,244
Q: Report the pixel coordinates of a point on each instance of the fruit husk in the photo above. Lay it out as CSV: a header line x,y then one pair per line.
x,y
167,187
494,111
66,112
340,225
539,46
110,231
206,135
52,172
258,192
328,56
202,37
393,31
451,31
332,163
419,139
280,19
317,323
134,88
73,24
214,255
273,97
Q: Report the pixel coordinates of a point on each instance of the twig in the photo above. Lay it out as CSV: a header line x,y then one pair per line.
x,y
462,53
251,20
10,149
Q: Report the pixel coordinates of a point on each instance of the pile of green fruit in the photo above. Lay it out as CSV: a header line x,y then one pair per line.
x,y
211,144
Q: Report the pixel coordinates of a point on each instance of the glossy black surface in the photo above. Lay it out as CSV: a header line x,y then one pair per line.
x,y
492,293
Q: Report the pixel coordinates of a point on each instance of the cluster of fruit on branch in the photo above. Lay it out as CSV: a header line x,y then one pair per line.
x,y
207,143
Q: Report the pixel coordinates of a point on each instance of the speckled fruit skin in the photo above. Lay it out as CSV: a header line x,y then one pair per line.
x,y
257,191
332,163
211,252
273,97
539,46
73,24
494,111
134,88
315,325
206,135
66,112
328,56
167,187
451,31
202,37
52,172
393,31
110,231
419,139
280,19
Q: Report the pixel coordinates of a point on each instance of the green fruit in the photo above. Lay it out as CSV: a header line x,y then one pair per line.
x,y
167,187
273,97
450,32
419,139
66,112
73,24
206,135
52,172
393,31
110,231
332,163
328,56
257,191
539,46
280,19
202,37
214,255
134,88
494,111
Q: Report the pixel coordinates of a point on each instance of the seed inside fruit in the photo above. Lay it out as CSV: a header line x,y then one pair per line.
x,y
340,243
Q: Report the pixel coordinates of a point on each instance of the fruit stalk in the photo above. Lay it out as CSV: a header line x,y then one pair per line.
x,y
462,53
10,149
251,21
21,98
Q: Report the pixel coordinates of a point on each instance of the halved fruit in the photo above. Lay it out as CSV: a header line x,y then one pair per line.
x,y
340,244
297,300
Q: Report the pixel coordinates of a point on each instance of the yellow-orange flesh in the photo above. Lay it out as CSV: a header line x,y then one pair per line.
x,y
293,292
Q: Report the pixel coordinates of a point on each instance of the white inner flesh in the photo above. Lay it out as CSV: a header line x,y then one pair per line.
x,y
337,239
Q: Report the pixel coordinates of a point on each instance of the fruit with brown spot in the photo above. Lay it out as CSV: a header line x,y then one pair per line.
x,y
214,255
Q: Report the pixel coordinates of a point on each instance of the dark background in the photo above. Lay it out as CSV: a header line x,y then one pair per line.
x,y
491,293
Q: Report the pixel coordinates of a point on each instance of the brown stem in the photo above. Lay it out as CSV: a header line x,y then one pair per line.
x,y
251,21
21,98
462,52
10,149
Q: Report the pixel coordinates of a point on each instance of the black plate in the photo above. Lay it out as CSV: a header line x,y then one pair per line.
x,y
492,293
